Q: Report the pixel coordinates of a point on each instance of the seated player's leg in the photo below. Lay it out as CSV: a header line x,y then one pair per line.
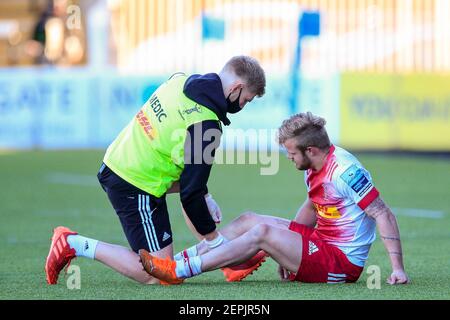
x,y
281,244
234,229
239,226
248,220
284,245
298,250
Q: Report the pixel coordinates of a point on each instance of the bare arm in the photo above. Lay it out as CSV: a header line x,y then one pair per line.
x,y
390,234
306,214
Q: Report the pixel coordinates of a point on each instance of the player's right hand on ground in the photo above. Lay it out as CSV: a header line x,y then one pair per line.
x,y
213,208
398,277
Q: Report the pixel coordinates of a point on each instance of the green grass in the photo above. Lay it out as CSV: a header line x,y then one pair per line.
x,y
32,202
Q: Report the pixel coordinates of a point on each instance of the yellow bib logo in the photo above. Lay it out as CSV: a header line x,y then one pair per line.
x,y
144,122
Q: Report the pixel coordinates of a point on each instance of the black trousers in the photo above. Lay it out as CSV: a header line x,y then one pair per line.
x,y
144,217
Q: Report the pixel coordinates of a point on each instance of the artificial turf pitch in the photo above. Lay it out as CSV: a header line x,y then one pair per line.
x,y
40,190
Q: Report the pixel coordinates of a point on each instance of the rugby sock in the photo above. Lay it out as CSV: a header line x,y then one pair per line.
x,y
192,251
189,252
84,247
188,267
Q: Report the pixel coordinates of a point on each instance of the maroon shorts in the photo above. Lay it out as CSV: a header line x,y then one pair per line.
x,y
322,262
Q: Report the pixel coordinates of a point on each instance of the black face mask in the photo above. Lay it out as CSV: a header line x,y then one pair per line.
x,y
234,107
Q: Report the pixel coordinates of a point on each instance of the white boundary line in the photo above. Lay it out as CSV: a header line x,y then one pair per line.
x,y
74,179
419,213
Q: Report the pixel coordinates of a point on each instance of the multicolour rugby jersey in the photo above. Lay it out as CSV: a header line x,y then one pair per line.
x,y
340,192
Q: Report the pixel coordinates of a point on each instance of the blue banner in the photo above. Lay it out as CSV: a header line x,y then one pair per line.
x,y
78,108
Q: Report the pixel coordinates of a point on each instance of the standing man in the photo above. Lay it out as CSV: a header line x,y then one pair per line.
x,y
169,146
330,237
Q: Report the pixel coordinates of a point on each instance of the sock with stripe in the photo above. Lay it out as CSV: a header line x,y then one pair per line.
x,y
84,247
192,251
188,267
189,252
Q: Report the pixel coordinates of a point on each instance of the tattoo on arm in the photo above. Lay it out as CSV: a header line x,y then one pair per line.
x,y
390,238
376,208
376,214
395,253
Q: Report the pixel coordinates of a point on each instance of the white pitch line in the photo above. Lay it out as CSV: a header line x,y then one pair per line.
x,y
419,213
72,179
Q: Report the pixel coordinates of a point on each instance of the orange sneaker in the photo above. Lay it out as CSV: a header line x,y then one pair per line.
x,y
60,254
163,269
239,272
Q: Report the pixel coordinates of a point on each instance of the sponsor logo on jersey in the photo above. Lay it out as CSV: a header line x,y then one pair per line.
x,y
355,178
327,212
144,122
366,188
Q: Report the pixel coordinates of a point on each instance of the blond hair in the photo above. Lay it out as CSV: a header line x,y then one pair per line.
x,y
249,70
307,129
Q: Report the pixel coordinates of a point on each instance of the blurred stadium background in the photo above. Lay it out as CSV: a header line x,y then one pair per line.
x,y
73,73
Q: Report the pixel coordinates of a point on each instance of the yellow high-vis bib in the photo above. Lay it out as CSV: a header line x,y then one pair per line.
x,y
149,152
